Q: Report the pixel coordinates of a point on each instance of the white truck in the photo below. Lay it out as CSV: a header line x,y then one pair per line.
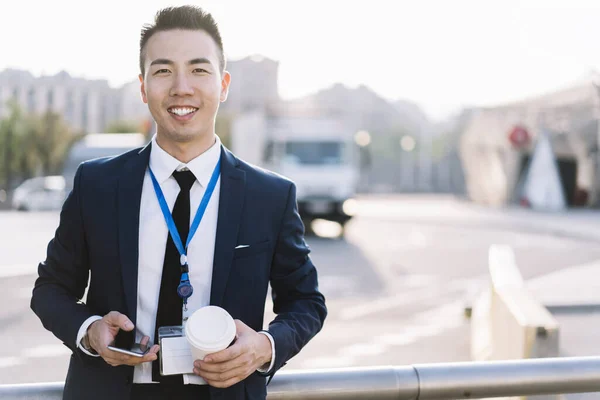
x,y
317,153
96,145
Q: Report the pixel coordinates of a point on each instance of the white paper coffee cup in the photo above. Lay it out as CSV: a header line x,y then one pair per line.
x,y
208,330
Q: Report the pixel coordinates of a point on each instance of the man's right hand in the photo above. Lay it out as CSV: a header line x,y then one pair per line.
x,y
103,332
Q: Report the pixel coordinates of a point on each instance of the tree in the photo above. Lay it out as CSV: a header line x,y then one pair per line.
x,y
11,129
122,126
33,145
52,140
223,128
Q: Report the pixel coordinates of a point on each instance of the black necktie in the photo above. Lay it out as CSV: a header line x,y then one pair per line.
x,y
169,303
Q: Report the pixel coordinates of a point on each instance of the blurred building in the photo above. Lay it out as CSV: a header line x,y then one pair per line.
x,y
91,105
130,106
254,84
86,105
497,145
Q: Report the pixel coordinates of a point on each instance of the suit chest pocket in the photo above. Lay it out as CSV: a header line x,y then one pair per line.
x,y
249,278
249,250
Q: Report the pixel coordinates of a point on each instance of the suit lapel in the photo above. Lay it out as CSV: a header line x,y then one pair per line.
x,y
129,198
231,201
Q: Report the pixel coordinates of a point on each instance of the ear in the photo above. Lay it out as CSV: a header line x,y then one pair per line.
x,y
143,89
225,81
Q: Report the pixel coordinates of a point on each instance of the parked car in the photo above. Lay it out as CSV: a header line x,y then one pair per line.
x,y
40,194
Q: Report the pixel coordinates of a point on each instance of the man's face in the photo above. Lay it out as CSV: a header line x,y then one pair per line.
x,y
183,85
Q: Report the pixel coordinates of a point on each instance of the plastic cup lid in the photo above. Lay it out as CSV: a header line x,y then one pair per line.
x,y
210,327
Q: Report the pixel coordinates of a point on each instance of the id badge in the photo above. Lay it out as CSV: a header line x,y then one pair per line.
x,y
175,353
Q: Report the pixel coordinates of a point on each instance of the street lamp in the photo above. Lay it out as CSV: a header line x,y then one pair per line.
x,y
362,138
408,143
407,177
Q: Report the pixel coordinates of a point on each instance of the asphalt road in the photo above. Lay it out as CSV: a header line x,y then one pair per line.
x,y
396,285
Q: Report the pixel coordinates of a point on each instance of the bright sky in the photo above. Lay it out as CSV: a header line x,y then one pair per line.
x,y
441,54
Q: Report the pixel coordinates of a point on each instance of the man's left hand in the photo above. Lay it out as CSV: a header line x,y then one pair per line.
x,y
227,367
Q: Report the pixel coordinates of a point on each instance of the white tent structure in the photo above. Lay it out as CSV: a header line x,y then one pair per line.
x,y
542,187
495,168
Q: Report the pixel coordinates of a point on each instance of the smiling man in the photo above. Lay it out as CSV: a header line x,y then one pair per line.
x,y
183,81
181,213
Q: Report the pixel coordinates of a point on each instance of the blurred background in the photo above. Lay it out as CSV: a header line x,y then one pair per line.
x,y
419,134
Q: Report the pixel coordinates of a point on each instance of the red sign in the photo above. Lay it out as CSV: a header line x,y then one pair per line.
x,y
519,137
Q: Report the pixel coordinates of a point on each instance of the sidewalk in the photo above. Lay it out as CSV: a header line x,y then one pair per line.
x,y
572,295
580,223
438,209
571,290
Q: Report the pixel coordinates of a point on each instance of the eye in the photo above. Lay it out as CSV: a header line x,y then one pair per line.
x,y
162,71
201,71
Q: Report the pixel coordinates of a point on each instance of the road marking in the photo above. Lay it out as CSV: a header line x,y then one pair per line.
x,y
329,362
426,324
7,362
414,296
46,351
10,271
422,287
398,339
42,351
364,349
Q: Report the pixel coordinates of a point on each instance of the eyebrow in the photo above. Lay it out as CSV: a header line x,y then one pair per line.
x,y
163,61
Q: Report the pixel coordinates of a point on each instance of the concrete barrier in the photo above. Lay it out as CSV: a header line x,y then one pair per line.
x,y
507,322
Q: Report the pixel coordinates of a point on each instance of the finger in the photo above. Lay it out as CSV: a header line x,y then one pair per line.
x,y
240,326
112,361
112,358
124,359
112,317
133,360
115,318
145,340
121,358
221,367
225,355
151,355
225,384
239,373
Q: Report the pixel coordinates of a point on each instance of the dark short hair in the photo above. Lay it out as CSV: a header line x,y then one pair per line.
x,y
190,18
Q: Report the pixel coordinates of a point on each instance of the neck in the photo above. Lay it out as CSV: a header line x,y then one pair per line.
x,y
186,151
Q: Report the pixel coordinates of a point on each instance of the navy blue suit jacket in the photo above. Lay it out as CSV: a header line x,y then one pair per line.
x,y
98,235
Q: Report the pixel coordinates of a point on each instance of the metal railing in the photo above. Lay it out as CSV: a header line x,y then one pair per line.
x,y
465,380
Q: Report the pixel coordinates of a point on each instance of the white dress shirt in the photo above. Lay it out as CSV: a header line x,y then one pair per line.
x,y
153,233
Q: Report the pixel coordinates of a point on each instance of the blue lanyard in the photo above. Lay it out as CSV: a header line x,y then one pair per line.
x,y
185,289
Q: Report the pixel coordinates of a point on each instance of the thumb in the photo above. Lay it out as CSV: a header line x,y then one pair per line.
x,y
119,320
241,327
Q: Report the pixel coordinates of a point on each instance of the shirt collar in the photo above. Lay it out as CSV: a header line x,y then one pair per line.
x,y
163,164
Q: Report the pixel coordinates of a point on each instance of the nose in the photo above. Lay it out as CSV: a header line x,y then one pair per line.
x,y
181,86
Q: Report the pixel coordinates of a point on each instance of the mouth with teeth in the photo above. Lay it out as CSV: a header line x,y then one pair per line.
x,y
182,113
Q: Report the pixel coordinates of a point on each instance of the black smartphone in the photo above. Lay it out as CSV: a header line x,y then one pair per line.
x,y
137,350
